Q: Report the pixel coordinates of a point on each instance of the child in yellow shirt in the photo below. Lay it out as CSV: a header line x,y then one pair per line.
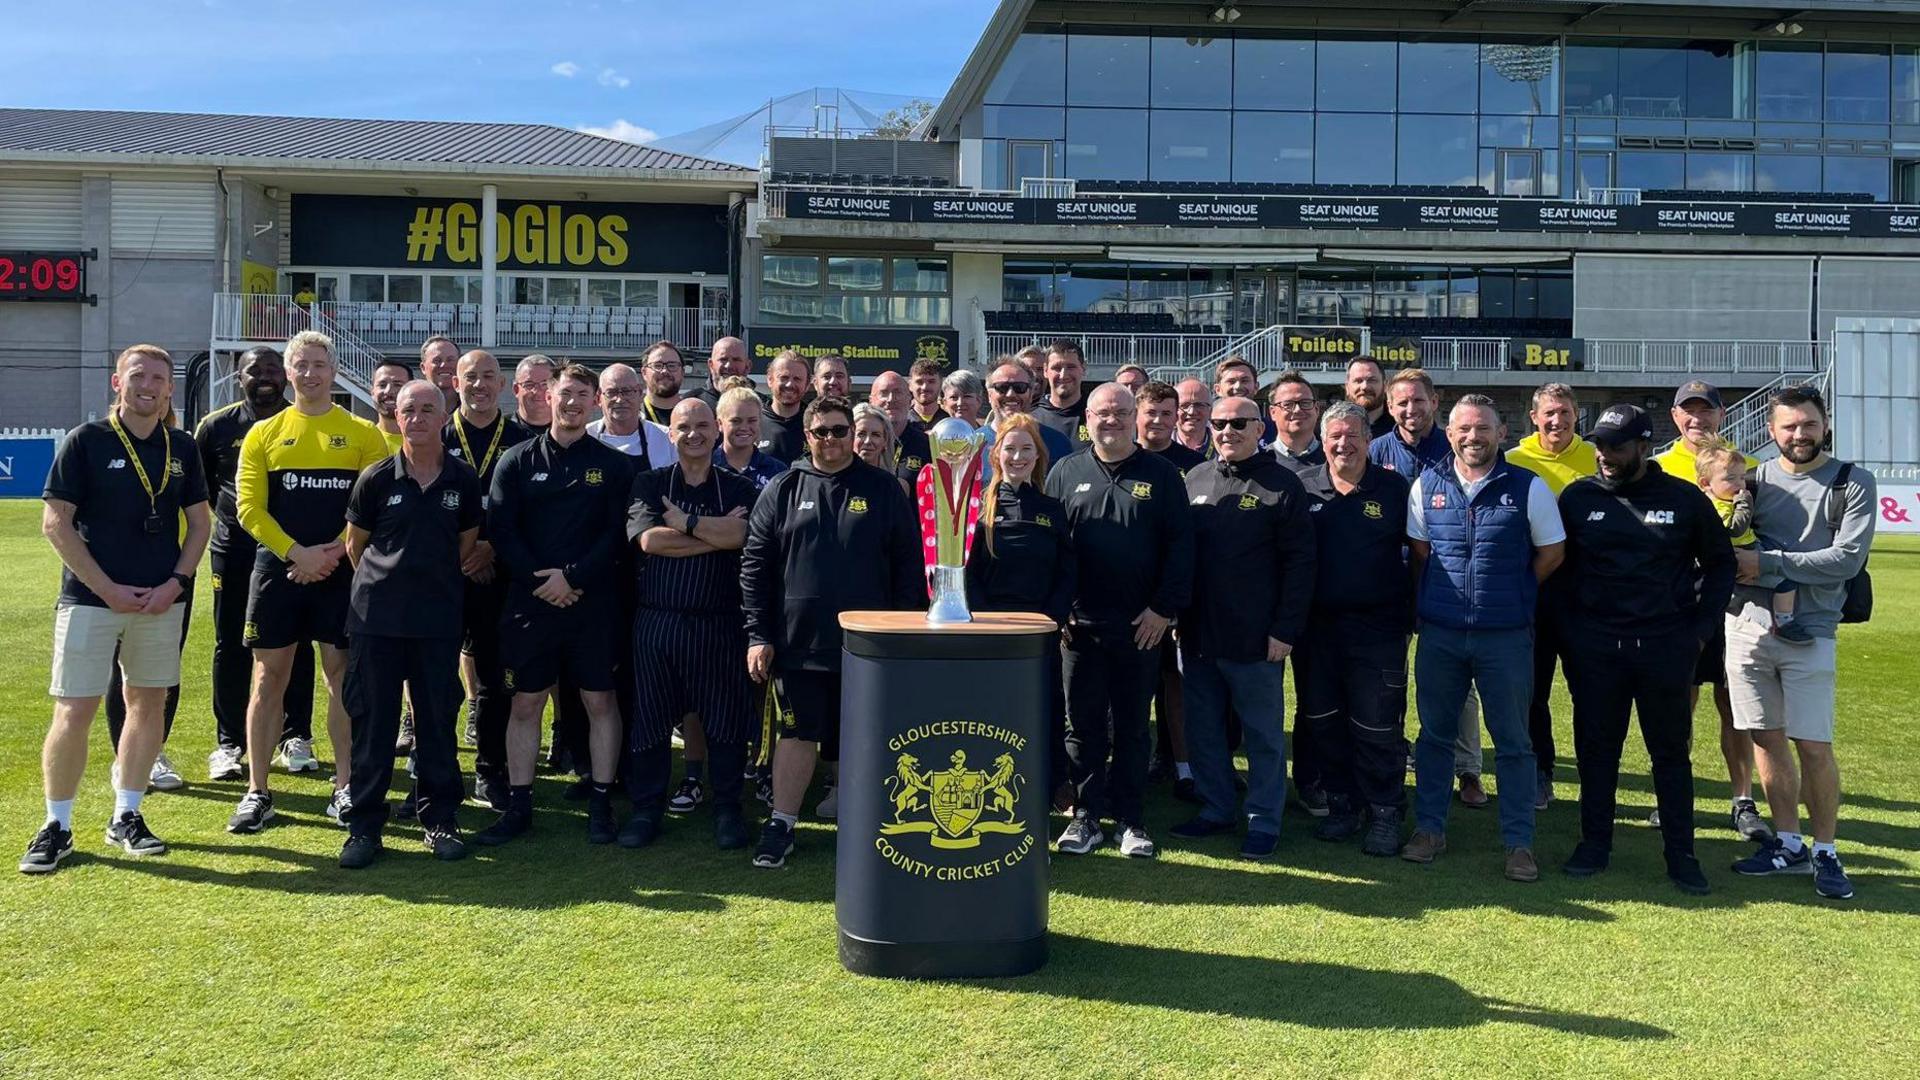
x,y
1722,474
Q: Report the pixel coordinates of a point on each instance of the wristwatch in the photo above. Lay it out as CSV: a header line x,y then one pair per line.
x,y
692,521
186,583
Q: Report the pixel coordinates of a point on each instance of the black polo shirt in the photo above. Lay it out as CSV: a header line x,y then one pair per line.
x,y
911,451
219,437
1361,580
709,583
562,507
91,471
408,583
1182,456
783,438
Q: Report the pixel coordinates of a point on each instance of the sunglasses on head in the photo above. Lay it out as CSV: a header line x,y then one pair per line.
x,y
1010,387
1237,423
832,431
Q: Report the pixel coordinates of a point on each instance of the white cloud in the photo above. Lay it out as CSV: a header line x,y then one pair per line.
x,y
566,69
622,130
610,77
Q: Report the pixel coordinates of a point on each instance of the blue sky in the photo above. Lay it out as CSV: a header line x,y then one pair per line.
x,y
620,66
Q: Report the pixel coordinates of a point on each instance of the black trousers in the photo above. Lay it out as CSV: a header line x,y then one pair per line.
x,y
1611,677
116,692
1109,681
1549,644
378,668
1352,693
492,701
650,774
233,661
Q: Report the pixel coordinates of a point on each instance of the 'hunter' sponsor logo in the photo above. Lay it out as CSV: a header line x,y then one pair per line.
x,y
299,482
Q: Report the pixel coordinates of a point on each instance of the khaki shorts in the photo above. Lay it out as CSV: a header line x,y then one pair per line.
x,y
84,639
1777,685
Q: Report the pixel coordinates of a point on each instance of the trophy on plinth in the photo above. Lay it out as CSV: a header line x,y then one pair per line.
x,y
949,495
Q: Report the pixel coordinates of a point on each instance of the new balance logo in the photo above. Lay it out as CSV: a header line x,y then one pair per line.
x,y
807,504
1082,489
1596,515
117,463
1659,517
395,499
539,476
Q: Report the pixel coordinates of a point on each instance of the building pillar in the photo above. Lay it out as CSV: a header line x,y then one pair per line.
x,y
96,320
489,255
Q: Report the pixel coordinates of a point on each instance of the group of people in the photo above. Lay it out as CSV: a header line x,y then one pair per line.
x,y
667,565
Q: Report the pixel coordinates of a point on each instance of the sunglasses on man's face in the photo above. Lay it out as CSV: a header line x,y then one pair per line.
x,y
1010,387
835,431
1237,423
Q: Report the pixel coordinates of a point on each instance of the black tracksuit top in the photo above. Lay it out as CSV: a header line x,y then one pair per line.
x,y
1132,536
1253,558
1361,581
561,506
822,543
1645,558
1030,565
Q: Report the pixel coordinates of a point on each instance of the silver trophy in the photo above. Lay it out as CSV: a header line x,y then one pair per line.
x,y
948,509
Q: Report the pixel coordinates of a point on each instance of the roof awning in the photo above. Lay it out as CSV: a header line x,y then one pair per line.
x,y
1448,258
1213,256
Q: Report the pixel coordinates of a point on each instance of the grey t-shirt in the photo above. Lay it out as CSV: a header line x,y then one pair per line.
x,y
1798,545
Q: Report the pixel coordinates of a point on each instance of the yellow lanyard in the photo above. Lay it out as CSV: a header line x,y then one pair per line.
x,y
139,470
499,429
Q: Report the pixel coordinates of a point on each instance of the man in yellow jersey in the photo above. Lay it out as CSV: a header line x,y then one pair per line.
x,y
1698,414
297,469
388,377
1557,454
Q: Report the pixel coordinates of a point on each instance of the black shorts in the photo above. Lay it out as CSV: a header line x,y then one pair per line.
x,y
539,648
810,708
281,613
1712,665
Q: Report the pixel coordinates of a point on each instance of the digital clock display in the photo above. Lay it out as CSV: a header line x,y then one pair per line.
x,y
43,275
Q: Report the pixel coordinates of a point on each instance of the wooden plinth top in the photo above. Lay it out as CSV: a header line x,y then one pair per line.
x,y
915,622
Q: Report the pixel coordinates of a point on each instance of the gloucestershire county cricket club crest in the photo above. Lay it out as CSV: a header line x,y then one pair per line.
x,y
960,804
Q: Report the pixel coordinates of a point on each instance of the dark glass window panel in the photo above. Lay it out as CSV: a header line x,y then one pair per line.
x,y
1272,73
1027,286
1022,122
1865,175
1653,80
1857,81
1034,72
1719,172
1593,78
1092,286
1188,144
1353,149
1439,77
1273,148
1906,84
1710,79
1355,76
1517,80
1782,172
1334,294
1436,150
1192,73
1651,169
1106,69
1555,294
1787,83
1107,144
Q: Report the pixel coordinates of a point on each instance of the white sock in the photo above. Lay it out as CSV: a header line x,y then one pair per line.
x,y
1793,841
126,802
789,820
1738,799
1829,849
1182,770
61,810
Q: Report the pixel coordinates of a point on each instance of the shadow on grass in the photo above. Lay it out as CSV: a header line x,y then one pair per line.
x,y
1327,996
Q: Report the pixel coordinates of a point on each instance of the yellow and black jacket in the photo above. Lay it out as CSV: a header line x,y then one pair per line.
x,y
296,472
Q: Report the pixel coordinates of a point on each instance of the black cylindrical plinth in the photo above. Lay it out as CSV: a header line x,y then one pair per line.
x,y
942,859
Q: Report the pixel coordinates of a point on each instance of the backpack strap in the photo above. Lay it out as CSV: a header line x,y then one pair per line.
x,y
1837,497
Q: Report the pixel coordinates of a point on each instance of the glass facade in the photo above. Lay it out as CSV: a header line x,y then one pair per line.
x,y
855,290
1545,116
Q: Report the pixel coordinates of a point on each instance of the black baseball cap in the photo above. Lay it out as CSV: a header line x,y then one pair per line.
x,y
1622,423
1697,391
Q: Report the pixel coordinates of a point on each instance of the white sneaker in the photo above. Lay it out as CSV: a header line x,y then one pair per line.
x,y
829,807
226,763
1135,843
164,776
296,755
338,806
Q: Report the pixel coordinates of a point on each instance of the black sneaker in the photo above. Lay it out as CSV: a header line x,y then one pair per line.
x,y
359,852
253,813
490,792
1313,799
1684,871
1829,880
1383,833
1185,790
505,829
444,843
1774,858
729,828
129,833
776,843
1258,845
1748,822
409,808
1341,822
1080,837
1586,860
690,795
52,843
600,826
1199,828
640,830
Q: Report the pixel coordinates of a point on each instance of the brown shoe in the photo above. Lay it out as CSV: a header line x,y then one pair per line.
x,y
1520,865
1472,795
1424,847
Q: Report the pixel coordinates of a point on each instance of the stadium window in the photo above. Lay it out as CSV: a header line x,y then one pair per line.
x,y
403,289
564,291
1107,143
603,292
1520,80
1192,72
1863,175
1034,72
1906,84
1107,69
1273,147
1651,170
1593,78
1353,149
1439,77
1189,144
367,288
1857,81
1786,172
1273,73
1787,81
1355,76
1719,172
1436,150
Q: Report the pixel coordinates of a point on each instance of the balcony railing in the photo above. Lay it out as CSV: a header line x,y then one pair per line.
x,y
1174,350
401,327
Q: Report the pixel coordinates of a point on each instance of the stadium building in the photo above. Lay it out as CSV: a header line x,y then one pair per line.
x,y
210,234
1623,195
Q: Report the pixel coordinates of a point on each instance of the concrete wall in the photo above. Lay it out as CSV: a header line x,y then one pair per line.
x,y
1692,297
1867,288
976,281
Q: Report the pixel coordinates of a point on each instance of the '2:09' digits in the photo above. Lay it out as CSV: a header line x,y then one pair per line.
x,y
40,275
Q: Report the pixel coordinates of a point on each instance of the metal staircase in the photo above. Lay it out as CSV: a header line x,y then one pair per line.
x,y
244,320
